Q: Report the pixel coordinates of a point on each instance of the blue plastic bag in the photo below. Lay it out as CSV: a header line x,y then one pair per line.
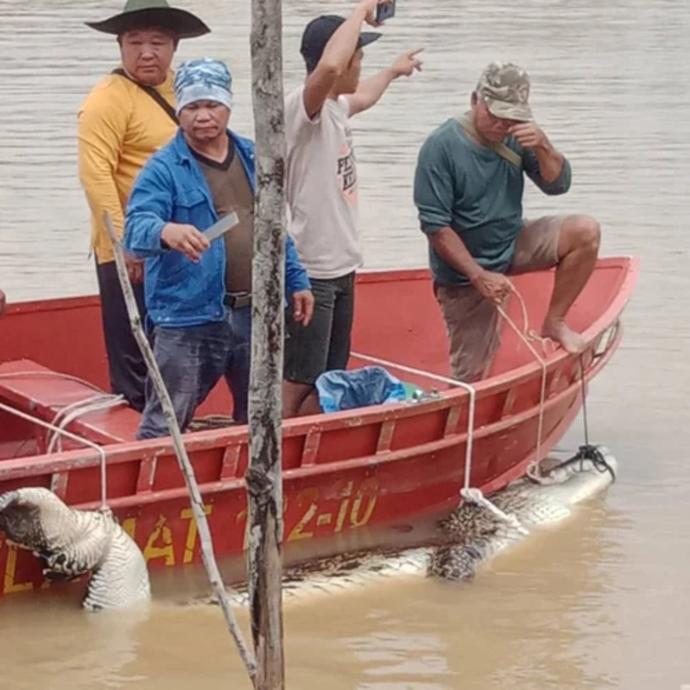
x,y
344,390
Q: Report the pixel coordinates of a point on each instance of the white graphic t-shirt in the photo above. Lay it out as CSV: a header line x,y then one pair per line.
x,y
322,187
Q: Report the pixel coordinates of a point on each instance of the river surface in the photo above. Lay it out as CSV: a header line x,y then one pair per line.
x,y
603,602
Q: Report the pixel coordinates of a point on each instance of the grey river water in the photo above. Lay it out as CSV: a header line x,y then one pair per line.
x,y
603,602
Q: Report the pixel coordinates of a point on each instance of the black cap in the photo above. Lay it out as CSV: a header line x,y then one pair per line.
x,y
319,31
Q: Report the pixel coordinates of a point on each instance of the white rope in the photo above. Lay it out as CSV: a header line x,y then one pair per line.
x,y
477,497
95,403
75,410
66,409
534,468
47,425
473,495
50,374
412,370
444,379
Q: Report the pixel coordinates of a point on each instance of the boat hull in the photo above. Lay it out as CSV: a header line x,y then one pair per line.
x,y
344,474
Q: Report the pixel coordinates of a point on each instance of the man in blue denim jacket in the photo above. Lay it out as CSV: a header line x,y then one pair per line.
x,y
198,293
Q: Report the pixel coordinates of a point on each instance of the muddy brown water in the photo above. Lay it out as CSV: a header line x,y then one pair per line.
x,y
603,602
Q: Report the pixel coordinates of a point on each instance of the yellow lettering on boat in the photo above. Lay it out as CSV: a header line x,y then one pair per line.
x,y
152,550
298,531
192,531
342,512
367,491
355,520
10,586
129,526
340,521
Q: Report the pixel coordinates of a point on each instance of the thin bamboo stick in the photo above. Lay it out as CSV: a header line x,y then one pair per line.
x,y
196,502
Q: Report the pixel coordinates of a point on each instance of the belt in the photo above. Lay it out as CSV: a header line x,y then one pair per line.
x,y
237,300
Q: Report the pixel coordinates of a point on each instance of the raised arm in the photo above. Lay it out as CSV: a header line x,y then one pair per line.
x,y
337,55
544,164
370,90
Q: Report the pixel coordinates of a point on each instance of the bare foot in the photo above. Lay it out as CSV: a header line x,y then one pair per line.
x,y
571,341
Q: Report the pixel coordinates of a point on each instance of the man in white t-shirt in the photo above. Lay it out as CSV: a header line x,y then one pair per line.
x,y
322,190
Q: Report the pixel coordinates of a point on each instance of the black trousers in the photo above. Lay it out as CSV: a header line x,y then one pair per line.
x,y
324,344
125,362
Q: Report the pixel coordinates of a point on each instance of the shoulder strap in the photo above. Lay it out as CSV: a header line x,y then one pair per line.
x,y
498,146
170,111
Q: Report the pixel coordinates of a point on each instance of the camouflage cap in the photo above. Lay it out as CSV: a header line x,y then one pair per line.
x,y
504,87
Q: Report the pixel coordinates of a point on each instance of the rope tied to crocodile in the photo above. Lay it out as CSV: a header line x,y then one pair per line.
x,y
587,451
528,337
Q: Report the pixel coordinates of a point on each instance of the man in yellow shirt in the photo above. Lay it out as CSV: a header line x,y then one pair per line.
x,y
126,118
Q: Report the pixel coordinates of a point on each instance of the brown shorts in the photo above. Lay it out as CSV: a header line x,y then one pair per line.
x,y
472,321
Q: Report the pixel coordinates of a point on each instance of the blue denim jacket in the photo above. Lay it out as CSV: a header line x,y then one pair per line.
x,y
171,188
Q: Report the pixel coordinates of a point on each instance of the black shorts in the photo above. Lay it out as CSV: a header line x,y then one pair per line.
x,y
324,344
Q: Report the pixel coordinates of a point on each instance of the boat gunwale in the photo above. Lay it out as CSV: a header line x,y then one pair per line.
x,y
141,451
495,384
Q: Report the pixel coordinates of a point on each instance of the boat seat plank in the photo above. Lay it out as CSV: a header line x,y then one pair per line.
x,y
43,393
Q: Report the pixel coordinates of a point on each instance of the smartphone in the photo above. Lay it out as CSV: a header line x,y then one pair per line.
x,y
385,11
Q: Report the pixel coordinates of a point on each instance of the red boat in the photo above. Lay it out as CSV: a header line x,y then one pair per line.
x,y
372,467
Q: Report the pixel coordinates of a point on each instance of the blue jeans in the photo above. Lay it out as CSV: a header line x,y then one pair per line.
x,y
192,360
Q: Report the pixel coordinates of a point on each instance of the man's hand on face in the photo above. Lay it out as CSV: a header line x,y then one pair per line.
x,y
185,239
303,306
492,286
407,64
529,135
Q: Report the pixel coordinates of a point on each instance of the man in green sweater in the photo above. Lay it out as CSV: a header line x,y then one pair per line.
x,y
468,189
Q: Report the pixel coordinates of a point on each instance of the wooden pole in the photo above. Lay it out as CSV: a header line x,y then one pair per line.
x,y
264,478
186,467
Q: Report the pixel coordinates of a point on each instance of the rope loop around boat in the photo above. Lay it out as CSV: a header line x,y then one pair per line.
x,y
467,493
471,391
477,497
73,411
64,417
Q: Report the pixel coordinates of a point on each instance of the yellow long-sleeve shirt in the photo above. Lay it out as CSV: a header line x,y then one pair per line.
x,y
120,127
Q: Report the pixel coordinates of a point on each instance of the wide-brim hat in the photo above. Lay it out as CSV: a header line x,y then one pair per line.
x,y
148,13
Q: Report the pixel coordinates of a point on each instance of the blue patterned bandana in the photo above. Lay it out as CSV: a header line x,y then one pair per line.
x,y
203,79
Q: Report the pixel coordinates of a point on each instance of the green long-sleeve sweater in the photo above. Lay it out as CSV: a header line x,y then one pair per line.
x,y
472,189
